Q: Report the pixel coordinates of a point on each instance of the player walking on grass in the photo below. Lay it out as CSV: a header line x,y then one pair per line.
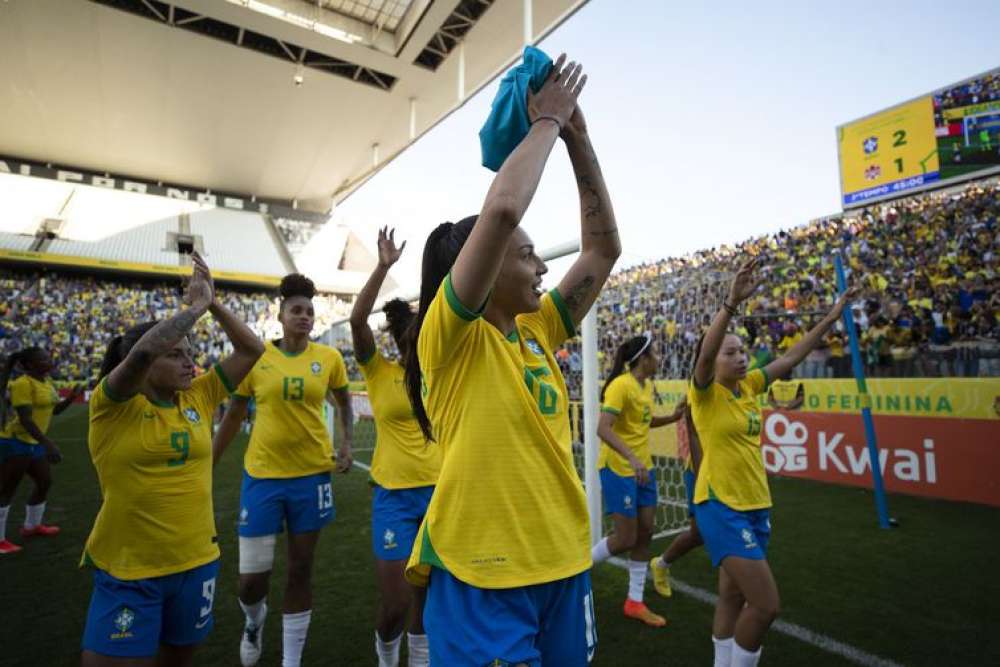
x,y
731,496
689,449
286,478
404,467
24,447
628,481
504,546
154,545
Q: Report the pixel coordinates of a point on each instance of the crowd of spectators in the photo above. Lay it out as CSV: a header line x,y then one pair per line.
x,y
74,316
928,267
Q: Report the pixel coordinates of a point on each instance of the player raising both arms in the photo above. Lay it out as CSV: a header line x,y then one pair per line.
x,y
505,541
154,545
24,445
286,478
731,493
405,467
628,481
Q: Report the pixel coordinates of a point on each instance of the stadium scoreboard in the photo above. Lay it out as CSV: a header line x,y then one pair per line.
x,y
949,135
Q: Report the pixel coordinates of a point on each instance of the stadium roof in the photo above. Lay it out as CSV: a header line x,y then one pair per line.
x,y
203,93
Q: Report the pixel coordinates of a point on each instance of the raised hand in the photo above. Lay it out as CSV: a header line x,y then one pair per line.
x,y
849,295
200,290
557,98
388,253
744,283
576,126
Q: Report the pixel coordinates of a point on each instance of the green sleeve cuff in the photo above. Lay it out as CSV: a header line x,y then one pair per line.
x,y
610,410
364,360
225,380
767,380
346,386
242,396
457,306
110,394
706,387
564,313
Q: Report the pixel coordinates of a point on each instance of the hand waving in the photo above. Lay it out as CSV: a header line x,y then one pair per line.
x,y
744,284
201,289
388,253
557,98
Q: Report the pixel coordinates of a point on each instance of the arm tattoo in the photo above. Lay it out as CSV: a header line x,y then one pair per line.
x,y
173,330
590,200
577,295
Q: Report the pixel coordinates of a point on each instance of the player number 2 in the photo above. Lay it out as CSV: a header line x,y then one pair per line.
x,y
181,442
899,138
324,492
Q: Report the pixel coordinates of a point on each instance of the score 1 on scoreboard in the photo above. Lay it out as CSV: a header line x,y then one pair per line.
x,y
886,154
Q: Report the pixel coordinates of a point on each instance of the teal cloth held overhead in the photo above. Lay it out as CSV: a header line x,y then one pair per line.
x,y
508,123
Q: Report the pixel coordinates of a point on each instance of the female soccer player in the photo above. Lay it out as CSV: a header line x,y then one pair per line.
x,y
731,493
628,480
504,544
405,467
688,448
24,447
286,478
154,546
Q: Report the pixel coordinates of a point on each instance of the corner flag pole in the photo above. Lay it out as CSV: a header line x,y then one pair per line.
x,y
866,402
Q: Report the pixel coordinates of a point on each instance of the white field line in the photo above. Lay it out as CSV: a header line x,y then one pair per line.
x,y
803,634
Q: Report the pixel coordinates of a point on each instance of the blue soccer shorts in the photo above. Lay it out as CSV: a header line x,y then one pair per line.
x,y
305,504
130,619
729,532
544,624
624,495
396,517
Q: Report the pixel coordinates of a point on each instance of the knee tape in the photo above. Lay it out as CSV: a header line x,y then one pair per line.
x,y
257,554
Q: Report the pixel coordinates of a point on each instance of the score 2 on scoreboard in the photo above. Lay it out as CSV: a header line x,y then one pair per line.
x,y
888,153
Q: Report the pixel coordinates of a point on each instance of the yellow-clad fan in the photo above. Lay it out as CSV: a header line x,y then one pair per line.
x,y
24,445
504,548
286,478
628,480
154,545
731,494
404,468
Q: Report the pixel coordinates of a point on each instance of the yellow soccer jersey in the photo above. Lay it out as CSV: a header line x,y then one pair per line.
x,y
632,403
40,396
508,509
289,437
154,466
728,424
402,459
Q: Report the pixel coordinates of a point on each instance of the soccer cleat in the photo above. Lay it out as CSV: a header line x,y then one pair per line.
x,y
8,547
661,577
41,529
252,642
641,612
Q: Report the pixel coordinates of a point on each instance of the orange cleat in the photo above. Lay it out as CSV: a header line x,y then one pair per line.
x,y
641,612
41,529
8,547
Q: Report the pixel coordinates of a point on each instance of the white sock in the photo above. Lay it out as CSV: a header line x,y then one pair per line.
x,y
294,628
388,651
723,652
636,579
419,650
745,658
33,514
4,511
600,552
256,612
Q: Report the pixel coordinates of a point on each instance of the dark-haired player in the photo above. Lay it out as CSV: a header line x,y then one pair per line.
x,y
286,478
404,467
153,546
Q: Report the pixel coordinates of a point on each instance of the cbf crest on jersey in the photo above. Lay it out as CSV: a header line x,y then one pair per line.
x,y
192,415
316,368
535,347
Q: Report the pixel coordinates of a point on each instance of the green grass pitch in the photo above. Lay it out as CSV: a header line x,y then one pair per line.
x,y
923,594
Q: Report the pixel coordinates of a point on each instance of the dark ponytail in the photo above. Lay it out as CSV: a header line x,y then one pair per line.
x,y
6,370
399,316
626,351
120,346
440,252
